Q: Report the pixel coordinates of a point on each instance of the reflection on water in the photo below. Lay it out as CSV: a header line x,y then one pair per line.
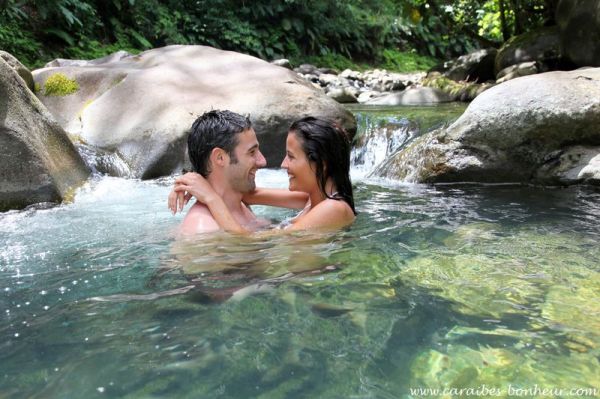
x,y
448,286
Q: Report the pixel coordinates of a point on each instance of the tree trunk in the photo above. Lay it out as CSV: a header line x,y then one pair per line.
x,y
505,33
517,10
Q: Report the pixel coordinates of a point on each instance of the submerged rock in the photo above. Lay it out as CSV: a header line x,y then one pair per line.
x,y
514,132
502,371
141,107
38,163
482,271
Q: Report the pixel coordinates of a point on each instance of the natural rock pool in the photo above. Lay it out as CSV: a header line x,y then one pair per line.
x,y
450,286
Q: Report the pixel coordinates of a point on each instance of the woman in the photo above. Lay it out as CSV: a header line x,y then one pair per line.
x,y
318,164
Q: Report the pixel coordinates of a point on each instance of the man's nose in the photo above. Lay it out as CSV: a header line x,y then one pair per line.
x,y
261,161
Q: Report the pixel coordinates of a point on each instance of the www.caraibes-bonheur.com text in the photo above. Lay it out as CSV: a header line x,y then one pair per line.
x,y
510,390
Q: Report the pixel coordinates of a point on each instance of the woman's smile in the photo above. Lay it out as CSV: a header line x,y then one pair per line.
x,y
301,175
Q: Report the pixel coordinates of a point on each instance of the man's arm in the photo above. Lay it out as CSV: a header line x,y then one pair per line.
x,y
198,220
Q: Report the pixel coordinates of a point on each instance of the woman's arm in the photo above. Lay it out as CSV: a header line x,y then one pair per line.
x,y
280,197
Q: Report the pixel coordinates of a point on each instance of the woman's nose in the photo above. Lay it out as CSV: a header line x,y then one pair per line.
x,y
284,164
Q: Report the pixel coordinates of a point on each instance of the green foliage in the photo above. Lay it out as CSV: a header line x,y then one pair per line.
x,y
338,33
404,61
59,84
19,42
331,60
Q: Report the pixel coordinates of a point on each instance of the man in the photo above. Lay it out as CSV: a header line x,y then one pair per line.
x,y
223,148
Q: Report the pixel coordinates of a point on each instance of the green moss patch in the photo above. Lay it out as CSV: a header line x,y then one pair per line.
x,y
59,84
463,91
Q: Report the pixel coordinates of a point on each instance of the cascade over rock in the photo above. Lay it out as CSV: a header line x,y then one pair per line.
x,y
142,107
541,128
38,163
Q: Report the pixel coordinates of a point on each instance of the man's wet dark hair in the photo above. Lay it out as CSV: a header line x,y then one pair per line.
x,y
211,130
327,145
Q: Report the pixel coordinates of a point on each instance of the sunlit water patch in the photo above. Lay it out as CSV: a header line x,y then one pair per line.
x,y
432,287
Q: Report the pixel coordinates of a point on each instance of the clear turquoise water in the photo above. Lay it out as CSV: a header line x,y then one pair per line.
x,y
433,287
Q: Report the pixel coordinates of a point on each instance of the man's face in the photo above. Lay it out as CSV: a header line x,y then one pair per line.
x,y
241,174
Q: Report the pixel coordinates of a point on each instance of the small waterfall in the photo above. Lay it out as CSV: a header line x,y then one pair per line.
x,y
102,162
380,137
382,132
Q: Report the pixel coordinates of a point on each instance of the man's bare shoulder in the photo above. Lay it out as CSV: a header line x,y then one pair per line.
x,y
198,220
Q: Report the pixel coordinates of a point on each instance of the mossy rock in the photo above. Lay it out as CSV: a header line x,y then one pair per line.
x,y
459,91
59,84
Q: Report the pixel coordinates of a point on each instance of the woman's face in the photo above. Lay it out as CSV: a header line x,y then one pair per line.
x,y
301,171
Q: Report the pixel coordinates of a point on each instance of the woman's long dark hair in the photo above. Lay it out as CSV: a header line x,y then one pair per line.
x,y
327,145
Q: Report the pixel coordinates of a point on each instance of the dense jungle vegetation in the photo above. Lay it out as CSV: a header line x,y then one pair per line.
x,y
391,34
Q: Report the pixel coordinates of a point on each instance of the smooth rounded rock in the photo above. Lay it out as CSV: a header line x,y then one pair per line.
x,y
518,131
412,96
38,163
142,107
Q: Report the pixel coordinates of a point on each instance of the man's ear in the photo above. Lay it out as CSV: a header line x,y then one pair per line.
x,y
219,156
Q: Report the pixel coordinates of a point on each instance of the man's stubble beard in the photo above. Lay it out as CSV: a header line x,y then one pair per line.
x,y
242,183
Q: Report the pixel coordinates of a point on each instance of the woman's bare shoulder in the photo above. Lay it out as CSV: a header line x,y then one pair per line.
x,y
340,207
331,212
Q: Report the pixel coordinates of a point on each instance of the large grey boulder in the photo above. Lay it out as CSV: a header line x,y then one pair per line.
x,y
21,69
141,107
542,45
543,128
579,24
477,66
38,163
